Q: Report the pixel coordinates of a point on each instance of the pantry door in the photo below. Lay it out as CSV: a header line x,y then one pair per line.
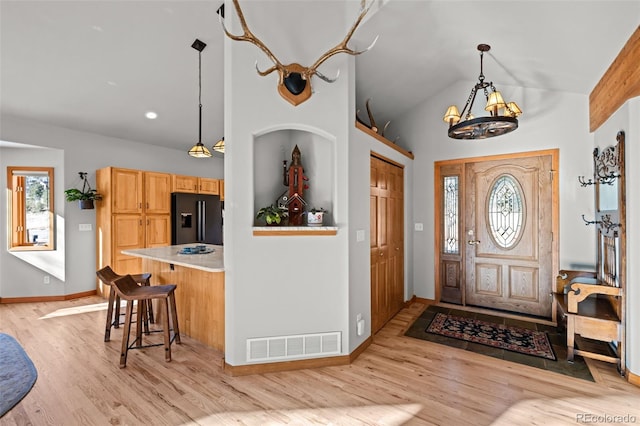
x,y
508,234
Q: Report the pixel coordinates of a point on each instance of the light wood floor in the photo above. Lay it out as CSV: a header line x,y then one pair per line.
x,y
397,380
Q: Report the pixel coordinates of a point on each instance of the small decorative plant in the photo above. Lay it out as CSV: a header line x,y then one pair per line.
x,y
272,215
85,196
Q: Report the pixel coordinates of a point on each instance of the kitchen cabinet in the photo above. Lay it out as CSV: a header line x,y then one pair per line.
x,y
181,183
208,186
157,193
197,185
135,212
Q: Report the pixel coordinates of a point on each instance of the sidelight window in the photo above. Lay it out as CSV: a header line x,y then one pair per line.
x,y
451,215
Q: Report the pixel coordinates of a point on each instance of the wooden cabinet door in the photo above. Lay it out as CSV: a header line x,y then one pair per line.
x,y
157,230
127,234
221,184
157,193
182,183
126,187
208,186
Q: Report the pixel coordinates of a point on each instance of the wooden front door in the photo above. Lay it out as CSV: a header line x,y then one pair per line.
x,y
387,241
508,234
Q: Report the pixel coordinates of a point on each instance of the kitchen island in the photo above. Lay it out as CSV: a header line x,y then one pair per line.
x,y
200,287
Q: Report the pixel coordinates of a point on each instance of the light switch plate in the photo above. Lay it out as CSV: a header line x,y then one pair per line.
x,y
360,235
85,227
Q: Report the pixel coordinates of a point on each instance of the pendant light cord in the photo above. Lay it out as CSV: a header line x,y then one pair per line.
x,y
200,96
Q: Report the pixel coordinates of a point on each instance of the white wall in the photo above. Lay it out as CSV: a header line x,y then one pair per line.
x,y
627,118
71,152
360,149
278,286
550,120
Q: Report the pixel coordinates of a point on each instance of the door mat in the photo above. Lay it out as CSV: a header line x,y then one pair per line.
x,y
17,373
449,328
508,337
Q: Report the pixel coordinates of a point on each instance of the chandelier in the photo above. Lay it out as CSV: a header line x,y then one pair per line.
x,y
502,116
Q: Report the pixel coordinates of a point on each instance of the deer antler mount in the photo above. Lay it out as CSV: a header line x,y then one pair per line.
x,y
294,84
372,123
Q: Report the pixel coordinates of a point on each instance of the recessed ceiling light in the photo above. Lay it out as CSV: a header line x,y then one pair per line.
x,y
151,115
112,83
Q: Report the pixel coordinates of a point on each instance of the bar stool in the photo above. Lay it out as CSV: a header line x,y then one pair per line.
x,y
127,288
108,276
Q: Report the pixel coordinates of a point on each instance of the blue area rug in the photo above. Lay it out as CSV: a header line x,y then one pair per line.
x,y
17,373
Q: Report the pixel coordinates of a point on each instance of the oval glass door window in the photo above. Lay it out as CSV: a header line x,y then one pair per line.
x,y
506,211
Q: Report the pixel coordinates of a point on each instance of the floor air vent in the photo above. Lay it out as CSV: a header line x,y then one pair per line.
x,y
293,347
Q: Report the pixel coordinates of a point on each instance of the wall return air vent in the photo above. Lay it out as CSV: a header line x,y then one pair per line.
x,y
294,347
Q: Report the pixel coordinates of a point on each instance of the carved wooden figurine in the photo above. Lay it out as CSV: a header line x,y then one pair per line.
x,y
295,179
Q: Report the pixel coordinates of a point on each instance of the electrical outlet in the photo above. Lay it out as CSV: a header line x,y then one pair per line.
x,y
46,279
358,317
418,227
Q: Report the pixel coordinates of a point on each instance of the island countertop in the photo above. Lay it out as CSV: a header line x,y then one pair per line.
x,y
209,262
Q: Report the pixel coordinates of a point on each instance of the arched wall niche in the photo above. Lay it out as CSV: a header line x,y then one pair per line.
x,y
273,146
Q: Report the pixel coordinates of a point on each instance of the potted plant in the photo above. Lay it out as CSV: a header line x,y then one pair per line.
x,y
272,215
315,216
84,196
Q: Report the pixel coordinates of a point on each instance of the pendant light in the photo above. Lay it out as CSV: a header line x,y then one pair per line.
x,y
502,116
199,150
219,146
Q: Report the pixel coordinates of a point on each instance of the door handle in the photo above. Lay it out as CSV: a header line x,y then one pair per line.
x,y
381,254
473,242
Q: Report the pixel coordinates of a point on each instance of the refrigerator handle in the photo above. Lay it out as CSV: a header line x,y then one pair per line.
x,y
199,220
203,218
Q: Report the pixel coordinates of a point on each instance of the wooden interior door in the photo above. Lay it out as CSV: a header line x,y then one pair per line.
x,y
387,241
508,234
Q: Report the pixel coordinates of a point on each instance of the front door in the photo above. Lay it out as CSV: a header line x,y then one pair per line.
x,y
508,234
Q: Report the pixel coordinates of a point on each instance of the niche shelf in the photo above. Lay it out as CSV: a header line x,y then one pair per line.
x,y
294,231
272,156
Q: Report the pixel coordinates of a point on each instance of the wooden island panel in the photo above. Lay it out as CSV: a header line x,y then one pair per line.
x,y
199,300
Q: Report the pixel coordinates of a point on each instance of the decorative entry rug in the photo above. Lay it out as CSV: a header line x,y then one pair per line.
x,y
508,337
515,340
17,373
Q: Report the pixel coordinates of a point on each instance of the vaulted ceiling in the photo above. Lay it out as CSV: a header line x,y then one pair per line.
x,y
99,66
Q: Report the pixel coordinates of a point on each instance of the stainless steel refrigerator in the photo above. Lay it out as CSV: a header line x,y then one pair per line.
x,y
196,218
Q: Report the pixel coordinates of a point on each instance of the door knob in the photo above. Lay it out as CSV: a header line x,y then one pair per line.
x,y
473,242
